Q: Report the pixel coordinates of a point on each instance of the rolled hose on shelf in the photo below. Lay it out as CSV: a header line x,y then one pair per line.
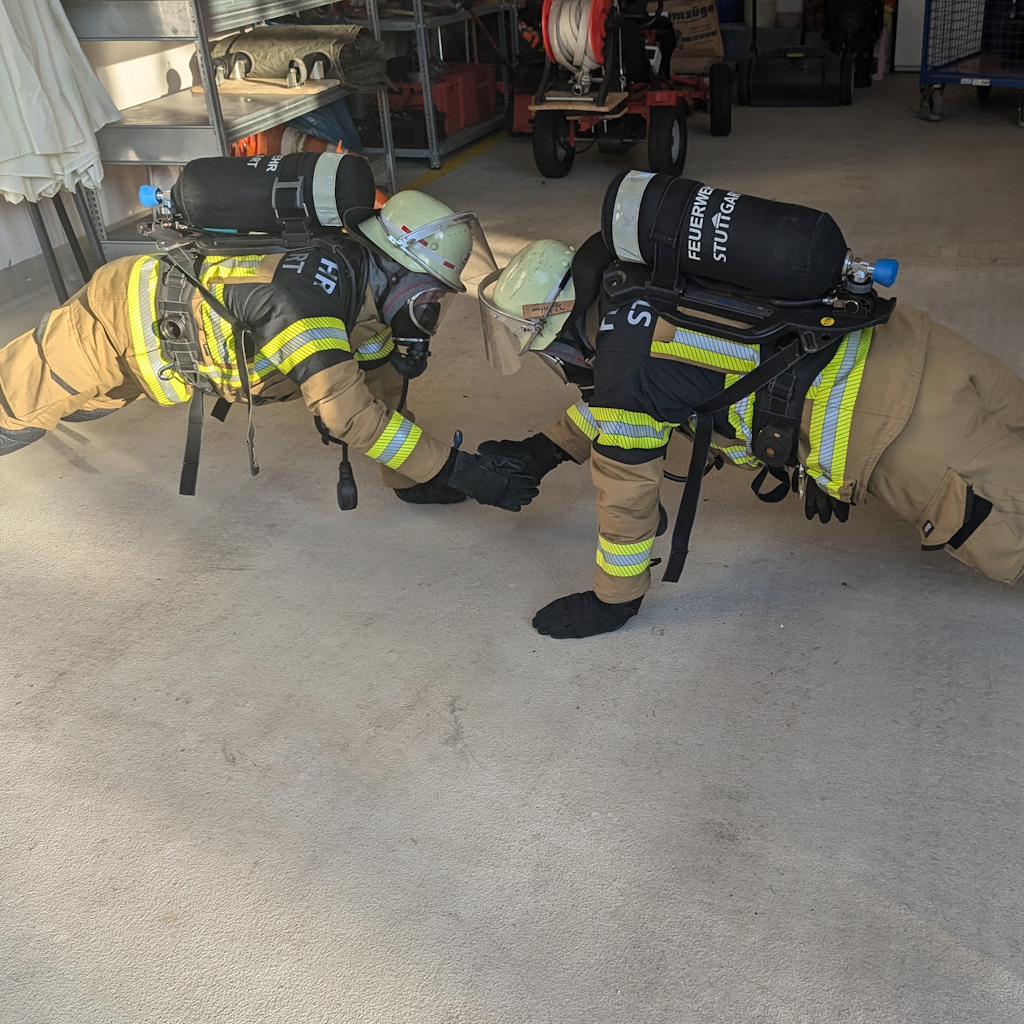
x,y
353,56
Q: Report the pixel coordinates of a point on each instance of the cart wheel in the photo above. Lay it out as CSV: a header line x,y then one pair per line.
x,y
666,140
846,73
720,99
984,91
552,152
931,103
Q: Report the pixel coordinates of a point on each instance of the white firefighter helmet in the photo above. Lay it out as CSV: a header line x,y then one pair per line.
x,y
422,234
524,306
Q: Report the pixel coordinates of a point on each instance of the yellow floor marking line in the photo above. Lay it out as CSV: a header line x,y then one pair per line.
x,y
463,156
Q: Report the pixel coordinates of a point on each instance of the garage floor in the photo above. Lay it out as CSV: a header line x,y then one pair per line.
x,y
263,761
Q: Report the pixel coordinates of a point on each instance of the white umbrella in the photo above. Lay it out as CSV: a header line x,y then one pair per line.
x,y
51,104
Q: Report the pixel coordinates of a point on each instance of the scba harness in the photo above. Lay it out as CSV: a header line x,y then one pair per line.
x,y
768,275
180,279
225,207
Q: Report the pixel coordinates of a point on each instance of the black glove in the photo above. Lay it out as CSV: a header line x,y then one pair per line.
x,y
534,456
434,491
580,615
821,504
477,476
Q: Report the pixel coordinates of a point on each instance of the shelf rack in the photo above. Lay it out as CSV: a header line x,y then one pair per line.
x,y
420,25
174,129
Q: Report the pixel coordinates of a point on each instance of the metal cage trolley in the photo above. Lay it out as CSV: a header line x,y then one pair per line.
x,y
971,42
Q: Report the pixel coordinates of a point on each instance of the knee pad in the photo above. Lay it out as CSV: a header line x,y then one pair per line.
x,y
12,440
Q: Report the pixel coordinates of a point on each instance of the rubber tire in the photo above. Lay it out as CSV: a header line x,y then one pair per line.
x,y
720,98
660,134
984,92
551,150
846,71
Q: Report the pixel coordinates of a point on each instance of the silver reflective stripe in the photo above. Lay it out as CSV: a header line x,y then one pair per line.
x,y
834,405
584,412
325,202
637,558
620,428
395,444
372,348
292,345
718,346
626,215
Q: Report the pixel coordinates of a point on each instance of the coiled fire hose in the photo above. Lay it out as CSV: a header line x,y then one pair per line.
x,y
569,37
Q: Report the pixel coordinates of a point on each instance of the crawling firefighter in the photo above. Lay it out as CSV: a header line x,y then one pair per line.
x,y
855,397
343,319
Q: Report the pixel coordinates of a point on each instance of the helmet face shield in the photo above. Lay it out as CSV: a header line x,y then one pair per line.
x,y
508,338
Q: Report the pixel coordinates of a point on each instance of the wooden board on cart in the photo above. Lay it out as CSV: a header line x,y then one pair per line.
x,y
271,86
572,105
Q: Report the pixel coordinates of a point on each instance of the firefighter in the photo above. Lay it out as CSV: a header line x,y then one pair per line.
x,y
345,327
908,413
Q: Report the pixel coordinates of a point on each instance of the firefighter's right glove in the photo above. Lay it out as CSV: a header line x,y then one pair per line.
x,y
821,504
580,615
534,456
477,476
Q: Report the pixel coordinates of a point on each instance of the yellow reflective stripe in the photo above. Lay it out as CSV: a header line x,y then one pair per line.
x,y
718,353
396,441
832,412
624,559
229,266
165,386
622,428
299,341
220,339
377,346
580,415
741,417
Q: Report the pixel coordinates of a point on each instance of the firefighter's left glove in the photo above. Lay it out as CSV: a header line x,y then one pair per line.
x,y
436,490
821,504
476,476
580,615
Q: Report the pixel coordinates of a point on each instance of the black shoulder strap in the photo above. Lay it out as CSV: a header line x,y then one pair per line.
x,y
746,385
241,333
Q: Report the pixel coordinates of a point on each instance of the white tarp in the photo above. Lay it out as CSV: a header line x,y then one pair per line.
x,y
51,104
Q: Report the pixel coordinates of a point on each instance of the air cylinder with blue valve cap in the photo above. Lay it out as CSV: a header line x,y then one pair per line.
x,y
688,229
265,194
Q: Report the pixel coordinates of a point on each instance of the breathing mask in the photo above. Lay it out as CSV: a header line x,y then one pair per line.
x,y
413,306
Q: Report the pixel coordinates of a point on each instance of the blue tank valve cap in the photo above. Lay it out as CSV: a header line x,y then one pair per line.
x,y
150,195
885,272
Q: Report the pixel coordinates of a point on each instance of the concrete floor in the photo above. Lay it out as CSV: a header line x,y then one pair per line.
x,y
266,762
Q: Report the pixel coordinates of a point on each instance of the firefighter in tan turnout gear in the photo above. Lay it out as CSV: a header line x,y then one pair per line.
x,y
326,323
905,411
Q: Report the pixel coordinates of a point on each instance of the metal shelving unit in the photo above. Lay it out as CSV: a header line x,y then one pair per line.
x,y
174,129
420,25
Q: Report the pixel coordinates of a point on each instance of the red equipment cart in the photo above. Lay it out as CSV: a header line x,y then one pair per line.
x,y
610,87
